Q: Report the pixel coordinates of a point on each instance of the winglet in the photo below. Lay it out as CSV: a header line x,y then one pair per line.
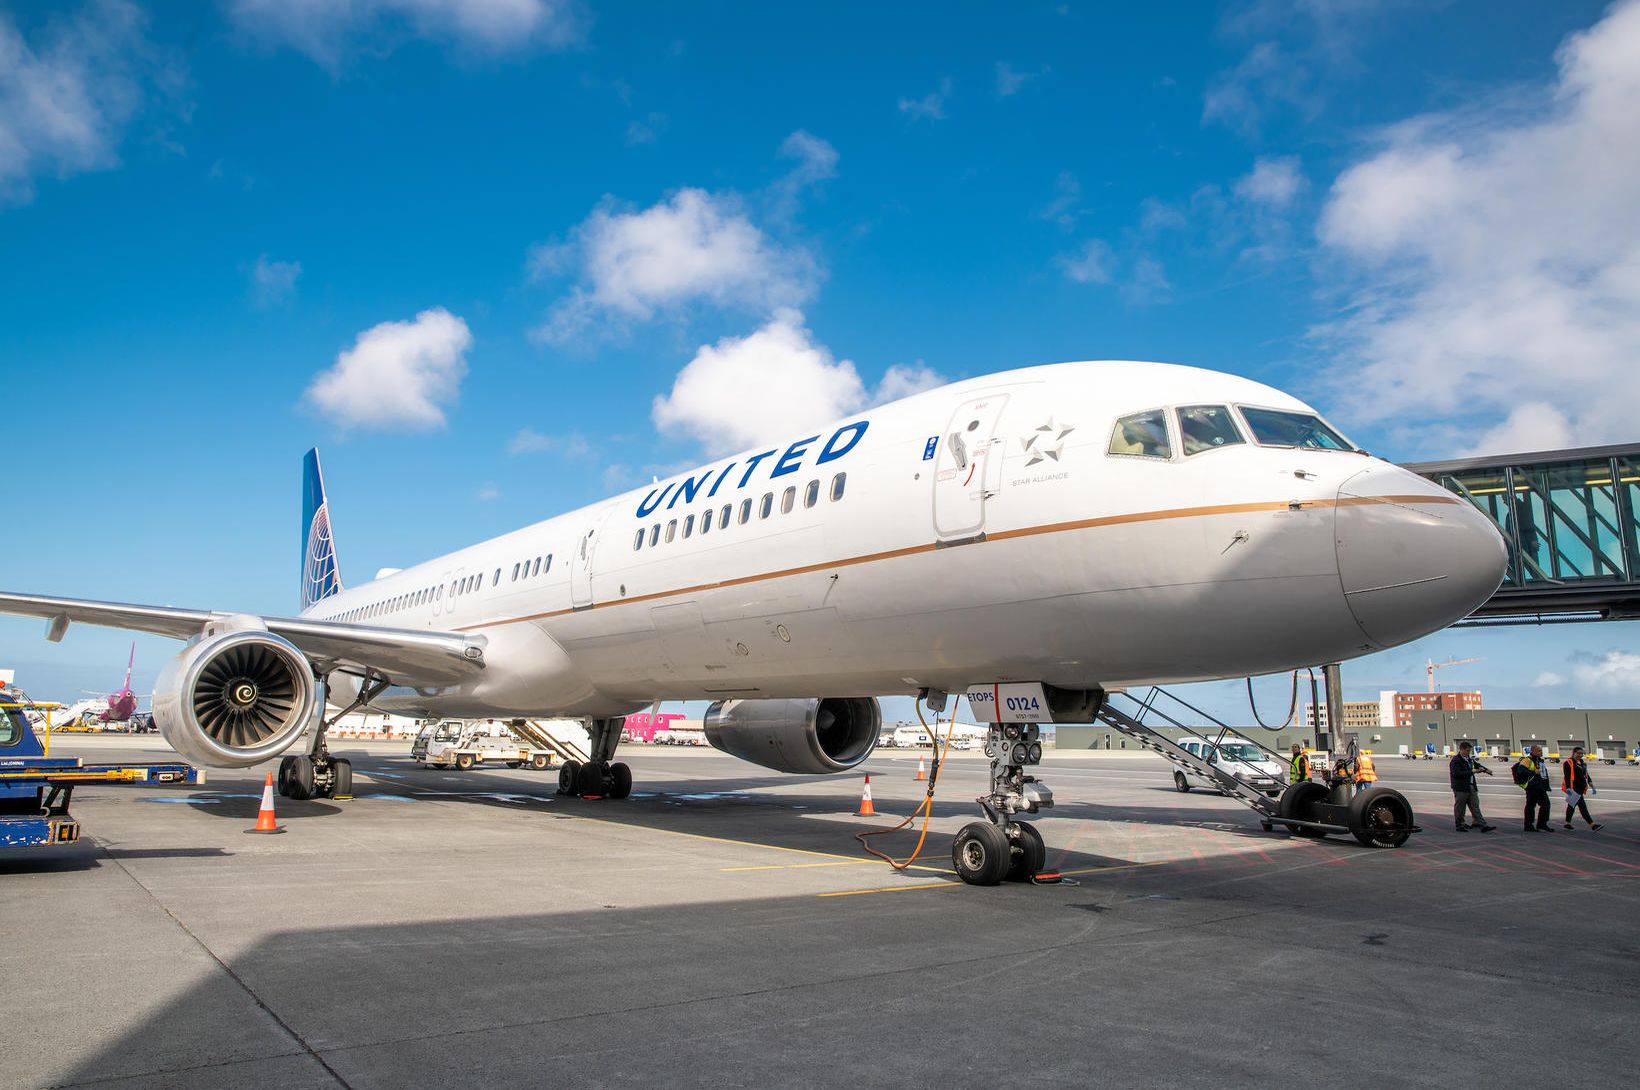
x,y
320,575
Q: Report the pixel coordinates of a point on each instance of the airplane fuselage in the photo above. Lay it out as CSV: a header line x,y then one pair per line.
x,y
996,529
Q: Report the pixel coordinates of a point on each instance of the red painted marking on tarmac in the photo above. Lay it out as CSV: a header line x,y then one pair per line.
x,y
1542,861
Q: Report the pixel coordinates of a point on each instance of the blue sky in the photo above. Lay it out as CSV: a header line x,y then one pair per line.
x,y
584,243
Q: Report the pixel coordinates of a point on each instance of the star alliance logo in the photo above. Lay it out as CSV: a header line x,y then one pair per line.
x,y
1046,443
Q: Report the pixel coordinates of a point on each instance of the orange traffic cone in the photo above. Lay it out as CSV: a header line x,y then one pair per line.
x,y
922,770
264,817
866,809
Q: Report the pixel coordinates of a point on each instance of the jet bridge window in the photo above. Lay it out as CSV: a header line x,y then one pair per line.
x,y
1207,427
1142,435
1280,428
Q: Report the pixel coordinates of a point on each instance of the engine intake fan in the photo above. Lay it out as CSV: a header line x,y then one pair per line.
x,y
235,699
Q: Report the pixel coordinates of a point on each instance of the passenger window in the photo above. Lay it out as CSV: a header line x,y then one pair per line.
x,y
811,494
537,569
837,483
671,531
515,573
1207,427
766,505
1143,435
496,582
548,565
788,499
723,515
688,525
706,521
654,535
637,542
745,511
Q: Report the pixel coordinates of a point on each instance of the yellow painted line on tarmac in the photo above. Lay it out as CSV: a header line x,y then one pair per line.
x,y
889,889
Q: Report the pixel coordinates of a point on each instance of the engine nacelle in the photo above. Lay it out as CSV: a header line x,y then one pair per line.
x,y
803,736
234,698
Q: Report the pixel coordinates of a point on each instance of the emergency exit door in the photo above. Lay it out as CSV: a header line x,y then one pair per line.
x,y
580,561
967,469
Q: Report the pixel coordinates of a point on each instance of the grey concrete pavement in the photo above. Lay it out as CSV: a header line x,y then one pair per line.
x,y
723,928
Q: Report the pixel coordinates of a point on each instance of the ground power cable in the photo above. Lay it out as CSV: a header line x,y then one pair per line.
x,y
926,809
1292,703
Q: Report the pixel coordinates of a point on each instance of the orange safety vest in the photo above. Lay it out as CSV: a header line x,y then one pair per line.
x,y
1364,772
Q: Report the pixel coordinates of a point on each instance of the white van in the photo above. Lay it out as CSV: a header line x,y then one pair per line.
x,y
1243,760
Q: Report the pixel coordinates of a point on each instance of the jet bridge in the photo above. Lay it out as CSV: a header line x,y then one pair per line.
x,y
1378,817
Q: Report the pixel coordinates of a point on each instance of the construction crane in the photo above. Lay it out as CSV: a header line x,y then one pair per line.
x,y
1430,666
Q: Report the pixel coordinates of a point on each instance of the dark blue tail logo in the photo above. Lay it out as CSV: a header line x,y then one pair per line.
x,y
320,577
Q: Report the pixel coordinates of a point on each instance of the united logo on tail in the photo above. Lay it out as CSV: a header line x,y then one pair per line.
x,y
320,577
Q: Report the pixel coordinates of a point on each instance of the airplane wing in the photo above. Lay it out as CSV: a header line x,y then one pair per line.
x,y
420,657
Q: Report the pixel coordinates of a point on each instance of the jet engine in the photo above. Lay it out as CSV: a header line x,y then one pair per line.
x,y
804,736
234,698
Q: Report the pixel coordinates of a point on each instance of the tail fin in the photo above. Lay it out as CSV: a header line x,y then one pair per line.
x,y
132,661
320,576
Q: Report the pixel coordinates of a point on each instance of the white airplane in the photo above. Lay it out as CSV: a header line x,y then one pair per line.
x,y
1079,527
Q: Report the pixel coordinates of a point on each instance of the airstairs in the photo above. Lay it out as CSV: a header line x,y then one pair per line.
x,y
545,735
1149,737
1379,817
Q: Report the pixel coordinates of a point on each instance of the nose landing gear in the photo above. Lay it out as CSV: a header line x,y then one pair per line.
x,y
1000,848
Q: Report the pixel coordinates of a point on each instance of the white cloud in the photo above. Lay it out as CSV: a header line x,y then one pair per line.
x,y
1274,182
1613,672
930,107
397,374
67,94
694,247
1549,679
1065,206
530,441
329,30
816,161
487,493
1089,265
771,384
1496,260
645,131
1266,76
1010,81
273,282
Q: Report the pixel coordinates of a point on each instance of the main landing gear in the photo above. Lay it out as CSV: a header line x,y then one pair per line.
x,y
316,774
599,777
1000,848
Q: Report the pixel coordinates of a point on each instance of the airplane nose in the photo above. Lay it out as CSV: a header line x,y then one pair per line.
x,y
1412,557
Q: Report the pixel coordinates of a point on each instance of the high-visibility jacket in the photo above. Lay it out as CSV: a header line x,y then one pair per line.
x,y
1299,767
1364,772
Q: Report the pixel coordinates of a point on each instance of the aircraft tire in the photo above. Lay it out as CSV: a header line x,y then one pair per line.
x,y
620,780
341,783
1180,782
569,777
282,780
1027,862
301,777
981,854
1381,817
592,780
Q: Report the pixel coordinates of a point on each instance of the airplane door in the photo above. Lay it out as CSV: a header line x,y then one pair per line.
x,y
580,561
964,475
439,604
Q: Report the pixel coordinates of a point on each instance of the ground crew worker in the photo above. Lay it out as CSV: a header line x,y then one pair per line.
x,y
1577,783
1466,794
1298,769
1365,774
1536,785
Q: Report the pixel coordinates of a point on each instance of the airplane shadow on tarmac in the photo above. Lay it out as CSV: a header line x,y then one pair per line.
x,y
1121,982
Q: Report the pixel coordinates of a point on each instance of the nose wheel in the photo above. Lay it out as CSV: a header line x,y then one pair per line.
x,y
1000,848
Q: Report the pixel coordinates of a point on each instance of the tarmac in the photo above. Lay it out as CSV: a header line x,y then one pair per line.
x,y
723,928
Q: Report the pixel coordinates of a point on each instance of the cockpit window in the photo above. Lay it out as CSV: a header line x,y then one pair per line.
x,y
1207,427
1278,428
1142,434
